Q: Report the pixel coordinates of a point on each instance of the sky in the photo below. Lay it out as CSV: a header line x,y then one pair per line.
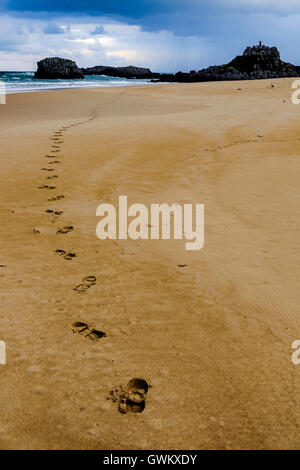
x,y
165,35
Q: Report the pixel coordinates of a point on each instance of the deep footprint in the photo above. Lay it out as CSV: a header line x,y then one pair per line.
x,y
131,399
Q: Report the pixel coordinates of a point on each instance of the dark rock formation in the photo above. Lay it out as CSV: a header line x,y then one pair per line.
x,y
257,62
55,67
121,72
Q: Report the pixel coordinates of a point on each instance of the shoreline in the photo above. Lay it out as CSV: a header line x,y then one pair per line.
x,y
162,83
81,88
25,85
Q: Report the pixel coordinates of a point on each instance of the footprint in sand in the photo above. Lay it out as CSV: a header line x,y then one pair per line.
x,y
90,280
48,169
66,229
47,187
56,198
50,211
52,177
69,256
66,255
130,399
54,162
87,282
83,329
81,287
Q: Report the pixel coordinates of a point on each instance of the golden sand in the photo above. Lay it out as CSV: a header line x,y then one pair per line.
x,y
213,338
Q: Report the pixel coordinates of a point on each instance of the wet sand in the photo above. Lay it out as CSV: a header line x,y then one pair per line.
x,y
213,338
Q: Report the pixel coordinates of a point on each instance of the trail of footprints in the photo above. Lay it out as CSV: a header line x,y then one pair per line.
x,y
54,159
132,397
54,213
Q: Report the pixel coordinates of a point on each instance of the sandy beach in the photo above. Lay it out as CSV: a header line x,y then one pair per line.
x,y
213,337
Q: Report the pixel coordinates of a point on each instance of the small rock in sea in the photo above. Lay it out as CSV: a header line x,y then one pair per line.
x,y
56,67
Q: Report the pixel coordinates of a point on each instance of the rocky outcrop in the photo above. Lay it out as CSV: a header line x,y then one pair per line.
x,y
257,62
55,67
130,72
261,51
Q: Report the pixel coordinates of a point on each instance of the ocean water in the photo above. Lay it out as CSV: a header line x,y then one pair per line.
x,y
22,82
